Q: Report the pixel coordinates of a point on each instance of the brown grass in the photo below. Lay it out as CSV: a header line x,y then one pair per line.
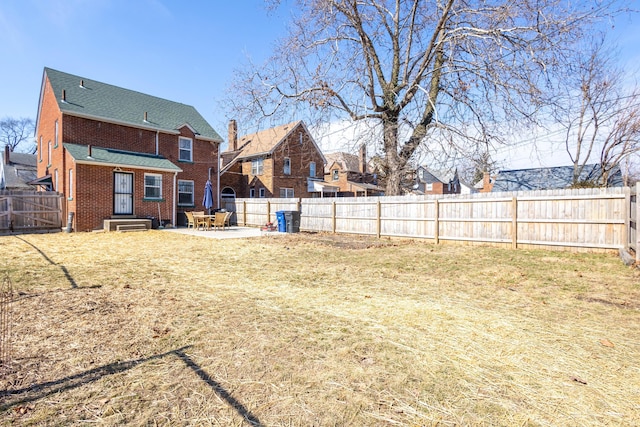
x,y
158,328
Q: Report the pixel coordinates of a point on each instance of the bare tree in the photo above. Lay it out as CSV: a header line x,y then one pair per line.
x,y
14,132
426,70
600,114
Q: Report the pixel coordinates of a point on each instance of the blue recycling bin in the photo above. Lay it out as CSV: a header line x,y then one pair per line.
x,y
282,222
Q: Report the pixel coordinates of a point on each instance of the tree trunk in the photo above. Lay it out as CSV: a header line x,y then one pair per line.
x,y
395,164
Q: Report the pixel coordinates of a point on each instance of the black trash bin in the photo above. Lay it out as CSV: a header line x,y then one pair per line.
x,y
292,219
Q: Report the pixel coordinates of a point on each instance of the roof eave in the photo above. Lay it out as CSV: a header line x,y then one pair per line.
x,y
125,165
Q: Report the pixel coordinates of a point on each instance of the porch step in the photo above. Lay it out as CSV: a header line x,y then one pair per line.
x,y
131,227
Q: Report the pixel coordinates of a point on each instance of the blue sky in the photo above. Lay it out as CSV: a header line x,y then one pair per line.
x,y
185,51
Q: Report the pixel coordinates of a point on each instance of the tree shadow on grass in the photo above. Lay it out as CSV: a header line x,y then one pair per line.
x,y
71,280
13,397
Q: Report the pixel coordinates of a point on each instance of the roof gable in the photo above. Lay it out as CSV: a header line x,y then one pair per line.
x,y
348,162
90,98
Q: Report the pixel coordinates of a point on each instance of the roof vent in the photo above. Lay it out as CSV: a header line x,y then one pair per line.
x,y
145,118
89,151
82,84
64,95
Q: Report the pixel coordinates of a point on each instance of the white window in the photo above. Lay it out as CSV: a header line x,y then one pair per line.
x,y
56,132
261,192
152,186
49,154
312,169
70,183
286,193
185,149
257,166
287,166
335,174
252,192
429,186
185,192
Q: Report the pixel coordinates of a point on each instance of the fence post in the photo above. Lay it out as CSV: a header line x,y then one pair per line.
x,y
637,219
333,217
244,213
268,210
514,223
379,219
436,221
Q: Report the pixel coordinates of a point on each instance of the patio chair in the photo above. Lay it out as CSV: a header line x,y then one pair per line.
x,y
219,220
201,220
190,220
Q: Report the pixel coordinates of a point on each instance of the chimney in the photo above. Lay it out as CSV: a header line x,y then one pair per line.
x,y
7,160
233,136
363,159
487,183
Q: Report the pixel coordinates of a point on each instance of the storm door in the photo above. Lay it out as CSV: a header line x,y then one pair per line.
x,y
122,193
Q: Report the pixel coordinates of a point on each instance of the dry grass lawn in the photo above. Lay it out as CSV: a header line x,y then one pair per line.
x,y
158,328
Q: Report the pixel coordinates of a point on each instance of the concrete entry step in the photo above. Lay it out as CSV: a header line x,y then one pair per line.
x,y
127,224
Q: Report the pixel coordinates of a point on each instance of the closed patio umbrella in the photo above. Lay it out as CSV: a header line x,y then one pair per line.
x,y
207,201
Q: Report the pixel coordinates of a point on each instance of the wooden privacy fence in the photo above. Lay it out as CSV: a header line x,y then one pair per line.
x,y
30,211
584,218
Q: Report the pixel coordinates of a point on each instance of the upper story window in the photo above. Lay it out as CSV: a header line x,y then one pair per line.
x,y
429,186
185,148
312,169
185,192
152,186
335,174
257,166
287,166
49,153
252,192
261,192
56,135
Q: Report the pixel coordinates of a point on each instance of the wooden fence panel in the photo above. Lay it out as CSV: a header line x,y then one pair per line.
x,y
586,218
27,211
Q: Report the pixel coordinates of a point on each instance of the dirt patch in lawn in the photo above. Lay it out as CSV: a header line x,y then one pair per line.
x,y
159,328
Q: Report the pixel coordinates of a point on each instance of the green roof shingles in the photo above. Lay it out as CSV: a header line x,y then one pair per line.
x,y
98,100
111,157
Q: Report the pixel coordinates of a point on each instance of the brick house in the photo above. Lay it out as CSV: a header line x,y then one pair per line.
x,y
281,162
430,182
349,174
117,153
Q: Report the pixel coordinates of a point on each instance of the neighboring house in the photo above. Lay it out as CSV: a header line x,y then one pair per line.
x,y
117,153
349,174
17,170
428,181
552,178
280,162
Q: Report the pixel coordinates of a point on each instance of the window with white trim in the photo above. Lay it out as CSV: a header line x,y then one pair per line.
x,y
312,169
252,192
262,193
335,174
287,166
429,186
286,193
56,133
70,183
49,154
185,149
152,186
257,166
185,192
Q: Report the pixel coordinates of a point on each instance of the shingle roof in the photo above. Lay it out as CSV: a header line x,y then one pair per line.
x,y
553,178
265,141
21,170
348,161
111,157
90,98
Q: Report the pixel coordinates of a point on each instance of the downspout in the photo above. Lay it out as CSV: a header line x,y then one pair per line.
x,y
174,215
218,178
